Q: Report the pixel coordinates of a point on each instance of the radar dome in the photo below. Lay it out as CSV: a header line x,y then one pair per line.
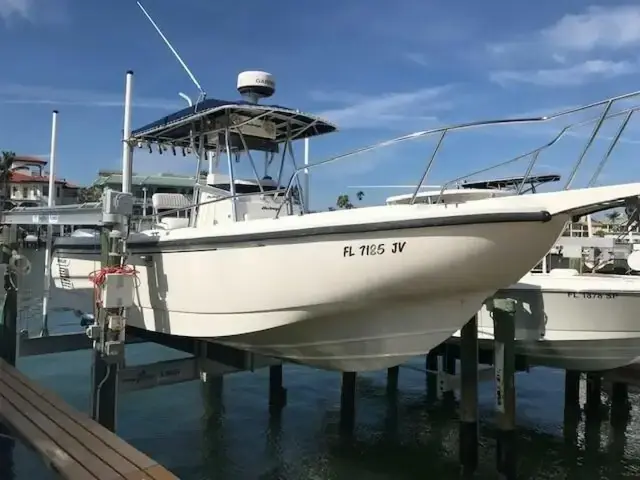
x,y
254,85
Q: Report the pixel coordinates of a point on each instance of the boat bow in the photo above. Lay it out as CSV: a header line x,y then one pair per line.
x,y
573,203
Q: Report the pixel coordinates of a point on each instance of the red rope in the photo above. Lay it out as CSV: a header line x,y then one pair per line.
x,y
98,277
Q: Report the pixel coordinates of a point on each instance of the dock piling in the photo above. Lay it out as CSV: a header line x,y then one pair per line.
x,y
104,377
9,313
571,393
348,401
619,404
277,393
432,378
503,312
392,380
8,343
469,397
593,405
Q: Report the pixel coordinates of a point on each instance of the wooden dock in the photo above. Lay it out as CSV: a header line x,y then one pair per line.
x,y
70,442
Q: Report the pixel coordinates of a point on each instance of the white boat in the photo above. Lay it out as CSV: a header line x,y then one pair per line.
x,y
353,290
583,322
564,319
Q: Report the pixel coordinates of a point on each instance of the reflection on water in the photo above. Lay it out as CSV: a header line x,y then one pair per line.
x,y
224,430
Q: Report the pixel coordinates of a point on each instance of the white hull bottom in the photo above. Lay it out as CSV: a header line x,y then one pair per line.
x,y
585,323
578,355
364,340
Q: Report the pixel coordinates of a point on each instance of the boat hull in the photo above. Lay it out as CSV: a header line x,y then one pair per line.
x,y
331,302
584,323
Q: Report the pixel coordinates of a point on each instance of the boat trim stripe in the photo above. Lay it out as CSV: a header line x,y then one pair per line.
x,y
71,244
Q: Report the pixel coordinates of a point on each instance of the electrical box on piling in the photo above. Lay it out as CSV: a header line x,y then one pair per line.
x,y
117,290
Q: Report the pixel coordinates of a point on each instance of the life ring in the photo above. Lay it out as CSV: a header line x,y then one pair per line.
x,y
19,263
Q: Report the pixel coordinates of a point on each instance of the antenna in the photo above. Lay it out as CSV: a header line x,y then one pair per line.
x,y
203,94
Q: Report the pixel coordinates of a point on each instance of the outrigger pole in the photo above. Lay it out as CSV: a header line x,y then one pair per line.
x,y
203,94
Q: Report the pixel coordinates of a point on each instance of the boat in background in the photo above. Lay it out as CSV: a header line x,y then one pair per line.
x,y
581,322
560,317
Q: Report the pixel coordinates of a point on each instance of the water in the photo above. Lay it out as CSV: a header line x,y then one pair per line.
x,y
183,428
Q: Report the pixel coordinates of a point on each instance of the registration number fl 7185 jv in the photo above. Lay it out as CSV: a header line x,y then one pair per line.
x,y
372,249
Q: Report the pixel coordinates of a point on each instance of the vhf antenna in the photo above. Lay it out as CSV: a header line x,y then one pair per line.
x,y
202,94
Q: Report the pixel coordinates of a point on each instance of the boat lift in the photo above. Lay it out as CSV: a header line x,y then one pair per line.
x,y
106,335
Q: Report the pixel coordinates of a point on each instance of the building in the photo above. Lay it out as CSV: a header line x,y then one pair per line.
x,y
29,184
602,226
144,186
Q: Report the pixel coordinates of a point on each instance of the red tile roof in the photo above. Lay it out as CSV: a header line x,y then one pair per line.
x,y
17,177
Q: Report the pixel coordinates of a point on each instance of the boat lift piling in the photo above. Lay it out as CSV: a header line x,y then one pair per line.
x,y
469,397
392,380
431,364
619,404
277,393
104,374
9,313
446,371
50,203
593,406
348,401
503,312
108,332
572,407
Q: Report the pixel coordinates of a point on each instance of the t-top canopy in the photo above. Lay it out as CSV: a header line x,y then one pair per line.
x,y
263,127
511,182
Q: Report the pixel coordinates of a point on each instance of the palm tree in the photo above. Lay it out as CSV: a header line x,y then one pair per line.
x,y
613,216
89,194
6,161
343,201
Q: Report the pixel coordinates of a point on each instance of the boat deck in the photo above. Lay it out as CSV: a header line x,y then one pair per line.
x,y
71,443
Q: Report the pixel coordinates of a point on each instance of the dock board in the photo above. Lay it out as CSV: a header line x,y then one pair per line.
x,y
72,444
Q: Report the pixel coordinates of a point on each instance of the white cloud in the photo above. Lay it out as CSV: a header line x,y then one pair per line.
x,y
597,27
388,110
573,75
15,8
46,95
417,58
577,49
34,11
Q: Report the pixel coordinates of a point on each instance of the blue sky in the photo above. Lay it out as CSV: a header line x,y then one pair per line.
x,y
377,69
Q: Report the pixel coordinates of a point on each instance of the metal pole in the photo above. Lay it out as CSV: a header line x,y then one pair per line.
x,y
612,145
306,175
50,203
232,179
593,136
127,151
144,201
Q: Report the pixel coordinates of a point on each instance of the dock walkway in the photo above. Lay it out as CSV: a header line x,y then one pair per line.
x,y
71,443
